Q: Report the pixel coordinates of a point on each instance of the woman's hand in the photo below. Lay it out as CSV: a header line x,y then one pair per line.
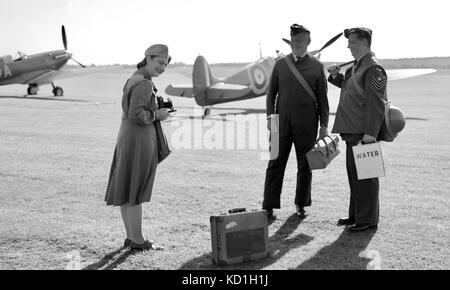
x,y
162,114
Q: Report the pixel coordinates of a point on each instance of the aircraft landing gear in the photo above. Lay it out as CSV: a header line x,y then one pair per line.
x,y
57,91
32,89
206,112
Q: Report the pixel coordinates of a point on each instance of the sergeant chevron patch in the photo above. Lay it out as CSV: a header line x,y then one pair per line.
x,y
378,83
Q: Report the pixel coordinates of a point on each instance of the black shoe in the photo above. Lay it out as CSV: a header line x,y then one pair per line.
x,y
127,243
300,212
361,227
345,222
270,216
147,245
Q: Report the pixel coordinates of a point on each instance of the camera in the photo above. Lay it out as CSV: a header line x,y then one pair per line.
x,y
165,105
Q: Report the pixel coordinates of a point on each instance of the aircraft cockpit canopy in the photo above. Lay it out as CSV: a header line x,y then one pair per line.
x,y
20,56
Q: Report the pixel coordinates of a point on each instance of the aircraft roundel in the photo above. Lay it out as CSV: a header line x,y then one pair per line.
x,y
258,78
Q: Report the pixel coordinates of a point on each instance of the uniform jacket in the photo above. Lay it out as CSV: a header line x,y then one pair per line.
x,y
298,112
358,114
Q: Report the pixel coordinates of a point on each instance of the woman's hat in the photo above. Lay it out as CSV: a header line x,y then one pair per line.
x,y
157,50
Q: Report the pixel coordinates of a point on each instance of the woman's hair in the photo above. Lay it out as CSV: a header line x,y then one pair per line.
x,y
144,62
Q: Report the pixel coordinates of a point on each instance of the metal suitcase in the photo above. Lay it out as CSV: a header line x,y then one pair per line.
x,y
239,236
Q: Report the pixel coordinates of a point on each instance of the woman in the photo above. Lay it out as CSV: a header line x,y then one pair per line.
x,y
135,158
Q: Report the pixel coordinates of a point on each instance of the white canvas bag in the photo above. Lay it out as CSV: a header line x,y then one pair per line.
x,y
274,139
369,160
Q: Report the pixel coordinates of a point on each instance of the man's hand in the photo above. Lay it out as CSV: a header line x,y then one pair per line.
x,y
323,132
162,114
333,70
368,139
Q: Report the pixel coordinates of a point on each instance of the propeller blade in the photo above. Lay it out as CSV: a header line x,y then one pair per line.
x,y
80,64
287,41
260,51
64,38
314,52
345,63
330,41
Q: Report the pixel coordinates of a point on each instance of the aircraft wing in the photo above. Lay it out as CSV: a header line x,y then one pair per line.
x,y
48,77
216,91
398,74
227,91
180,90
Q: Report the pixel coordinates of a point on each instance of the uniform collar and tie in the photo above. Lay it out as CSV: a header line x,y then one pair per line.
x,y
359,59
298,59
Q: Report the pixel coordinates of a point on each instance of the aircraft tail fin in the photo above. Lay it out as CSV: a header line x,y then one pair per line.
x,y
202,79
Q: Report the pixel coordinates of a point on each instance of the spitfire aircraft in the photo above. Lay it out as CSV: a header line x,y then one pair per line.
x,y
36,70
250,82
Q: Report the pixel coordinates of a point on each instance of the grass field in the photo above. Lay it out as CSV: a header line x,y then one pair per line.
x,y
55,156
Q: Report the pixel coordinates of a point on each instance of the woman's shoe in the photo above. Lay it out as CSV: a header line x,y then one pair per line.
x,y
146,246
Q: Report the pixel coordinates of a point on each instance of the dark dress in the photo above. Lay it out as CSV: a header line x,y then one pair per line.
x,y
135,158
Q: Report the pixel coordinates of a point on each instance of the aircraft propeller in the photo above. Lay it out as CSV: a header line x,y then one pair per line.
x,y
64,39
314,52
345,63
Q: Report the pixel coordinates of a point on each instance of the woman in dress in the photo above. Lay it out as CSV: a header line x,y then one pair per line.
x,y
135,158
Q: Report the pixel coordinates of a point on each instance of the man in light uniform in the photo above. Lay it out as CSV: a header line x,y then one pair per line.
x,y
359,118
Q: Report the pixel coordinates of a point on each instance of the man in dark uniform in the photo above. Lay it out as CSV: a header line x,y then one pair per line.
x,y
359,118
299,117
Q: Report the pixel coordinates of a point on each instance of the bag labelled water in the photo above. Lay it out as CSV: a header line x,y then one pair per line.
x,y
369,160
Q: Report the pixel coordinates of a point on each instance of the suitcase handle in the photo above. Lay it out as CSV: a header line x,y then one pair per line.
x,y
236,210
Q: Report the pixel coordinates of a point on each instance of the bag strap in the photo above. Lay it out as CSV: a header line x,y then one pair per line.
x,y
355,82
300,79
132,83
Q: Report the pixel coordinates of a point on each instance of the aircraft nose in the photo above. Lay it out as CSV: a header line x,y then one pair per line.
x,y
63,56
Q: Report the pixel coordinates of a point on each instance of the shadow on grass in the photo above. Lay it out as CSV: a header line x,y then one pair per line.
x,y
110,257
279,244
346,253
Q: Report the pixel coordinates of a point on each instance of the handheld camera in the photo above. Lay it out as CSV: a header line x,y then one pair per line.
x,y
165,105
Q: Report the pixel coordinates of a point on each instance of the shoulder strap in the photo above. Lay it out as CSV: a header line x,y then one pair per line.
x,y
355,82
300,79
133,82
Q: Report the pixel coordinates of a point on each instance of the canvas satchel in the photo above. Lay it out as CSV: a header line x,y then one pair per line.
x,y
161,140
274,137
323,153
369,160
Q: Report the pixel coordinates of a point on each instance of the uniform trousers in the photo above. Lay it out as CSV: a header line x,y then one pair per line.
x,y
275,171
364,194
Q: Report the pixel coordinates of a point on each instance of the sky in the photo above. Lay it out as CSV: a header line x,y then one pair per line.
x,y
119,31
